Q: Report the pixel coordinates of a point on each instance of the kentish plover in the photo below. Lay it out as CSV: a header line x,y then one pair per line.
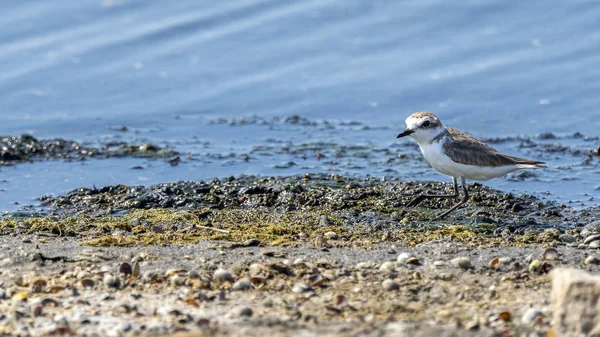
x,y
458,155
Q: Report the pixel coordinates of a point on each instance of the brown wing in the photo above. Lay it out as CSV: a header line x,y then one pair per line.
x,y
467,150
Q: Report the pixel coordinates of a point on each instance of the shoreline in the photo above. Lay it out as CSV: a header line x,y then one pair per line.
x,y
324,255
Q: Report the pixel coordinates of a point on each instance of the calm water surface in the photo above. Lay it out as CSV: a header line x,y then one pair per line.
x,y
179,73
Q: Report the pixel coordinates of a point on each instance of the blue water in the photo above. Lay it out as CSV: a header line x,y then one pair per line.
x,y
173,71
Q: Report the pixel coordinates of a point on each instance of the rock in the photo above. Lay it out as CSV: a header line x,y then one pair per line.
x,y
325,221
567,238
244,311
403,257
331,235
241,284
594,245
588,240
256,269
111,281
591,228
575,301
549,234
222,275
387,266
463,263
390,285
364,265
301,288
550,254
535,267
591,260
530,315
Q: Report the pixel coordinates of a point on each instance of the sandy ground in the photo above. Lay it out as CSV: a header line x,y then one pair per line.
x,y
55,286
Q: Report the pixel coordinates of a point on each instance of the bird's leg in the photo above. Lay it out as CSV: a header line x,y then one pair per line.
x,y
422,197
460,203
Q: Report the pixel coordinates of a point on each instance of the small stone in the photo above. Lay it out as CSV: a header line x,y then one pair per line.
x,y
363,265
494,263
591,239
222,275
550,254
590,229
387,266
581,246
517,208
390,285
403,257
331,235
299,262
125,269
463,263
301,288
530,316
256,269
241,285
535,267
549,234
244,311
591,260
413,261
342,272
111,281
136,269
325,221
439,264
594,245
567,238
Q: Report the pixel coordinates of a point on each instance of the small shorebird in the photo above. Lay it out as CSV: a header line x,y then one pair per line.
x,y
458,155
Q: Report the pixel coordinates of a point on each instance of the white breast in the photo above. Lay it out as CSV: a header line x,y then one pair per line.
x,y
434,154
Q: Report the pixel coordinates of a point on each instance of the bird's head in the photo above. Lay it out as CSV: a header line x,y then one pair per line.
x,y
422,127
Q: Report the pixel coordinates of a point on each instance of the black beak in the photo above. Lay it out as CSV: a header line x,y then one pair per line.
x,y
405,133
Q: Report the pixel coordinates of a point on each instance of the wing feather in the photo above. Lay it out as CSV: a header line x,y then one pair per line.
x,y
468,150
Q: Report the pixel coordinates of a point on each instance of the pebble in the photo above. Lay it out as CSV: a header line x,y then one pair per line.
x,y
387,266
550,254
463,263
530,315
390,285
331,235
594,245
567,238
255,269
591,228
110,281
325,221
241,284
591,260
535,267
364,265
136,269
591,239
244,311
439,264
222,275
301,288
342,272
413,261
494,263
403,257
125,269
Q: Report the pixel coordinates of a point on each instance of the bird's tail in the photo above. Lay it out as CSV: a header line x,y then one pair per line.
x,y
532,165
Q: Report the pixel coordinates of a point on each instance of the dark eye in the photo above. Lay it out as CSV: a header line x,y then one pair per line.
x,y
426,124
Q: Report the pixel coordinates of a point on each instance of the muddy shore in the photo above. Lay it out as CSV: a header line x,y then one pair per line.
x,y
301,255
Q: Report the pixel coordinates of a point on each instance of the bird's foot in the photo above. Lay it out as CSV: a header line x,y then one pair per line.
x,y
416,201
